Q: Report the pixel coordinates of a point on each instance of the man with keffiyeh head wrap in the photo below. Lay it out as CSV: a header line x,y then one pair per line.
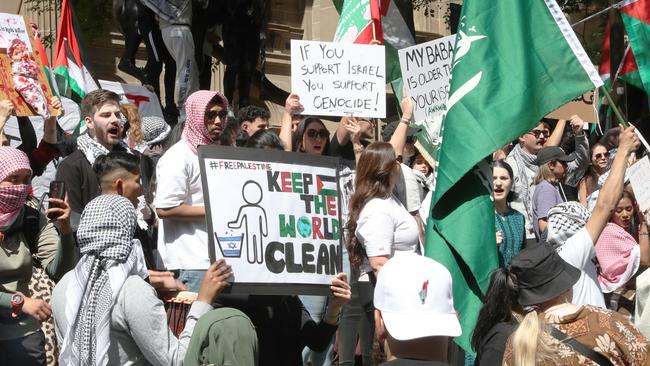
x,y
182,234
21,340
105,312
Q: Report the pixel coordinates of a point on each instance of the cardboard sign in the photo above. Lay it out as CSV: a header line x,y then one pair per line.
x,y
274,216
582,106
426,70
639,174
146,100
335,79
11,27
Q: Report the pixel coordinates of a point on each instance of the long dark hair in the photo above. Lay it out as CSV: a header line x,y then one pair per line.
x,y
502,164
499,303
374,169
296,143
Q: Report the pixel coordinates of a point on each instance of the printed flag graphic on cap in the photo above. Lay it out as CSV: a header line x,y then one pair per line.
x,y
514,62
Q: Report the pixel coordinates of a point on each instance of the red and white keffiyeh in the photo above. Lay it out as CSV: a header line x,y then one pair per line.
x,y
618,257
195,133
13,197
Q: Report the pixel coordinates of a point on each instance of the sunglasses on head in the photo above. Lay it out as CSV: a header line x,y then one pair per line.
x,y
312,134
211,115
604,155
538,133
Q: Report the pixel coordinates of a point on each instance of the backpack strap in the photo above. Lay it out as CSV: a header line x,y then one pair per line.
x,y
580,348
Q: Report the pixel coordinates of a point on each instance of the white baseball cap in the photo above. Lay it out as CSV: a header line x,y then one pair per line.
x,y
414,295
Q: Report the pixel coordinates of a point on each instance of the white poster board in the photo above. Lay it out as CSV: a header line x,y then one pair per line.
x,y
639,174
13,26
145,99
426,70
274,217
335,79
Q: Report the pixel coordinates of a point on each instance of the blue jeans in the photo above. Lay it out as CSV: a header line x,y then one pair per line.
x,y
191,278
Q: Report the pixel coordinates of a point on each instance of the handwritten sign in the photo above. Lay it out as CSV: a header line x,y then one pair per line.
x,y
13,26
426,69
274,217
335,79
639,174
582,106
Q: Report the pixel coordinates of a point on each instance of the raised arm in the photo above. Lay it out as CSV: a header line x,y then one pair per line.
x,y
398,140
291,106
611,191
556,136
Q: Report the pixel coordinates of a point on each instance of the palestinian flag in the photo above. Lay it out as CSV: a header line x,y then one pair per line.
x,y
73,78
636,17
627,70
393,24
326,185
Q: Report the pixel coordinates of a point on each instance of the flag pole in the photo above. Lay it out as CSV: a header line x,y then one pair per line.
x,y
617,112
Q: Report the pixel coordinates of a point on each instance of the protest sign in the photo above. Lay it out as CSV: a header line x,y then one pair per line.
x,y
582,106
274,216
639,174
29,68
146,100
426,69
335,79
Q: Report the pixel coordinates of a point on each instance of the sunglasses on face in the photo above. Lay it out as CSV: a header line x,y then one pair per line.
x,y
604,155
312,134
538,133
211,115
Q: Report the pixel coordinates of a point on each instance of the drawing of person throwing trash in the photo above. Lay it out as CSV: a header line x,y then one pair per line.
x,y
255,225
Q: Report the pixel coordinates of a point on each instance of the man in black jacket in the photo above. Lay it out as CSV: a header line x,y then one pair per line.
x,y
100,110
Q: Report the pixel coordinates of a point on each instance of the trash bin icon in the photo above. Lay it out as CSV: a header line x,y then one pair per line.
x,y
230,244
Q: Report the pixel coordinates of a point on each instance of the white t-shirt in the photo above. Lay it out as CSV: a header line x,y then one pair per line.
x,y
182,244
385,227
579,251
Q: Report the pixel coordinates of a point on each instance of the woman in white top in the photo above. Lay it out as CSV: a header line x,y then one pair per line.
x,y
381,224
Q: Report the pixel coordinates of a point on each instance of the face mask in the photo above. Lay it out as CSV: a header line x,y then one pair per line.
x,y
12,199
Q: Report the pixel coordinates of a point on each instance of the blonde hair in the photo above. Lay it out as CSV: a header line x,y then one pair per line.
x,y
132,115
545,173
531,342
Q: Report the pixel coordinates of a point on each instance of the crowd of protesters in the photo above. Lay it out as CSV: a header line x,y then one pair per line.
x,y
130,228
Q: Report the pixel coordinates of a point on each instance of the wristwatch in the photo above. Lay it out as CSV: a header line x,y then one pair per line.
x,y
17,301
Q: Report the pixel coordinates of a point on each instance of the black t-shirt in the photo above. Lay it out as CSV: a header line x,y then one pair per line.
x,y
409,362
493,344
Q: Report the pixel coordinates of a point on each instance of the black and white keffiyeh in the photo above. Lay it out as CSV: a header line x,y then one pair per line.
x,y
109,256
93,149
564,220
154,130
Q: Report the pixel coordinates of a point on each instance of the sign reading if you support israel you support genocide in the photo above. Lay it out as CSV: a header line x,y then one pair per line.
x,y
335,79
274,216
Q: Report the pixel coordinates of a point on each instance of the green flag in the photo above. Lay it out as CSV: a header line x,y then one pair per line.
x,y
514,62
636,17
